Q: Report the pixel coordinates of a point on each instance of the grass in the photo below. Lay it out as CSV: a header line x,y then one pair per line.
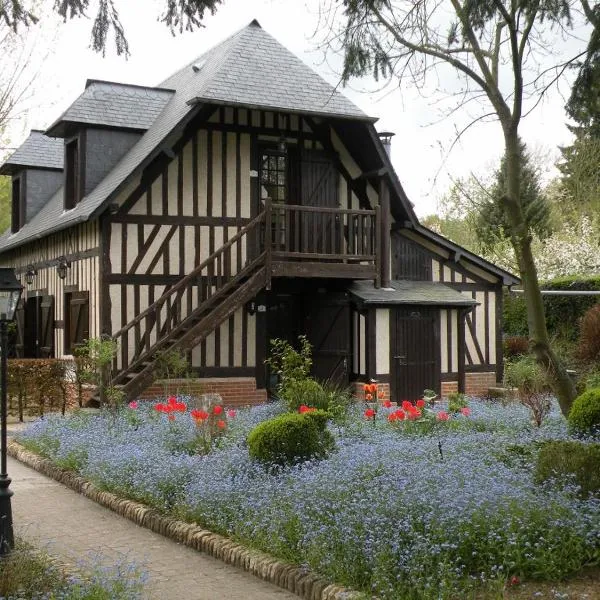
x,y
28,573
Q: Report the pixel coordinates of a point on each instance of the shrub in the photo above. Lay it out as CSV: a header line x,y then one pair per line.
x,y
304,391
456,401
515,345
514,315
570,460
588,346
531,382
288,363
291,438
584,416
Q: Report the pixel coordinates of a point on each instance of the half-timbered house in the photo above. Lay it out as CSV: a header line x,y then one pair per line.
x,y
241,200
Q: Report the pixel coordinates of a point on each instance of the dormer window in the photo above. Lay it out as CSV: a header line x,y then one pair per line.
x,y
18,202
74,172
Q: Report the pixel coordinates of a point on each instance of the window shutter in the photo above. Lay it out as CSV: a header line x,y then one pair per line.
x,y
20,334
80,318
46,331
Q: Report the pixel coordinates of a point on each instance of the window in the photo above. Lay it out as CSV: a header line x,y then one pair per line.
x,y
273,177
77,319
73,173
18,203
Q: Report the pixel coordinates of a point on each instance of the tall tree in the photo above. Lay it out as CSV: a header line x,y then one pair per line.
x,y
492,46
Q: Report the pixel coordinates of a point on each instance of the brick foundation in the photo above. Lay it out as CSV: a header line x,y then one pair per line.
x,y
476,384
383,390
235,391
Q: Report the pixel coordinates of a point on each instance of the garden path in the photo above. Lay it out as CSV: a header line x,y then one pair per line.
x,y
71,527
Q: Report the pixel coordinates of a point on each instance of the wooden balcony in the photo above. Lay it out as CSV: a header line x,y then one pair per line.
x,y
310,241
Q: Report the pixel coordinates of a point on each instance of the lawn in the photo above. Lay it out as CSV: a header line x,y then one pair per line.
x,y
396,510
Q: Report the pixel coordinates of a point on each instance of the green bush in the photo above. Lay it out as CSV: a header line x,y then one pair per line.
x,y
570,460
584,416
532,386
515,315
303,391
456,401
291,438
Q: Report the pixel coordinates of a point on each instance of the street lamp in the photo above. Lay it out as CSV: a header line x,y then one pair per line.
x,y
10,293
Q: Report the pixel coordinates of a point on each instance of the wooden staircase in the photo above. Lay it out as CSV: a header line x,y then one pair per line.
x,y
270,245
190,310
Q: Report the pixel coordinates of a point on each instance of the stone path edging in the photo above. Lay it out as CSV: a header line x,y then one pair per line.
x,y
285,575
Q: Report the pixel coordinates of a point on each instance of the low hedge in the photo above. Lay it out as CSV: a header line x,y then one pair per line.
x,y
37,385
570,461
291,438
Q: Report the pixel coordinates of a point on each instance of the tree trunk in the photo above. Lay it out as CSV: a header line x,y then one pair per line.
x,y
539,341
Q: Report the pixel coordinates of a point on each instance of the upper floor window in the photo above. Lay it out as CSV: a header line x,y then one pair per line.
x,y
18,203
273,177
73,172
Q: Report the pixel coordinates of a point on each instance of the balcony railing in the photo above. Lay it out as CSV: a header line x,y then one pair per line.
x,y
313,233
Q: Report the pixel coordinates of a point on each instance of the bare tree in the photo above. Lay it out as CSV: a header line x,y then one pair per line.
x,y
499,53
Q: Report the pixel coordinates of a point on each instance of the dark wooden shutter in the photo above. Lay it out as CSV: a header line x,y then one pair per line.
x,y
79,320
410,260
46,331
318,188
20,332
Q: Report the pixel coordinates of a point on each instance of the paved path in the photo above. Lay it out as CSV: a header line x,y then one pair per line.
x,y
70,526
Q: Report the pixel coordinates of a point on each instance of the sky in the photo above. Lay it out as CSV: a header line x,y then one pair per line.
x,y
423,153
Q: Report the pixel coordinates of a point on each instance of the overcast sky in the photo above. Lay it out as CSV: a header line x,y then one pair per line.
x,y
424,132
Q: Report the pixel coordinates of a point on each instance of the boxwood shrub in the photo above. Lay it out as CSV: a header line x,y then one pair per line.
x,y
291,438
570,460
584,416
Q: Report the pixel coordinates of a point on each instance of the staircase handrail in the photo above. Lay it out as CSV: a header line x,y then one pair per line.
x,y
184,281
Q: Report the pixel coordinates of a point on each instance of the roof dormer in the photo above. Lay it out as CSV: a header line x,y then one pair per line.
x,y
99,128
36,171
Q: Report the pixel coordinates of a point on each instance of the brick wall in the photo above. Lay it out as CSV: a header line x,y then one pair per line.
x,y
235,391
383,390
476,384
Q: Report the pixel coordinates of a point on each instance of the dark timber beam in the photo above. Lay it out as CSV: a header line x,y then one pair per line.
x,y
384,201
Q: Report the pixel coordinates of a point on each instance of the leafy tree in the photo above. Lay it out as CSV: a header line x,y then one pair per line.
x,y
491,223
4,203
493,48
177,16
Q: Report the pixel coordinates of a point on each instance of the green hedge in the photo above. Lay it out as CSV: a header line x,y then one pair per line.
x,y
291,438
562,312
570,460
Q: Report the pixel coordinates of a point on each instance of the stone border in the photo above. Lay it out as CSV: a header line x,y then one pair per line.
x,y
283,574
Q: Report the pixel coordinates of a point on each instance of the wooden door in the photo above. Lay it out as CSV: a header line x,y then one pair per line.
x,y
414,352
327,326
318,188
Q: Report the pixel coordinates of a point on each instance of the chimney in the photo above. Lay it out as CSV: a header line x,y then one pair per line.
x,y
386,140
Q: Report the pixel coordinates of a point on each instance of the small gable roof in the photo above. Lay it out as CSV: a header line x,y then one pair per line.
x,y
109,104
37,151
414,293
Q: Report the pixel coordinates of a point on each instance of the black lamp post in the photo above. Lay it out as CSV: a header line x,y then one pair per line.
x,y
10,293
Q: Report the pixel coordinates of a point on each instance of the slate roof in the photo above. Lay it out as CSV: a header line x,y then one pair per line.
x,y
410,292
36,151
210,76
113,105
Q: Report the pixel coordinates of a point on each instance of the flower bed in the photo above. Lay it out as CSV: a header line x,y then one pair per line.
x,y
399,509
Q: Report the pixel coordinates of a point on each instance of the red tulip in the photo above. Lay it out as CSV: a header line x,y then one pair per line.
x,y
406,405
466,411
370,412
387,404
231,413
217,410
442,416
420,403
133,405
221,424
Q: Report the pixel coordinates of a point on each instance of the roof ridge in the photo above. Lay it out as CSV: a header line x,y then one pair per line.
x,y
89,82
